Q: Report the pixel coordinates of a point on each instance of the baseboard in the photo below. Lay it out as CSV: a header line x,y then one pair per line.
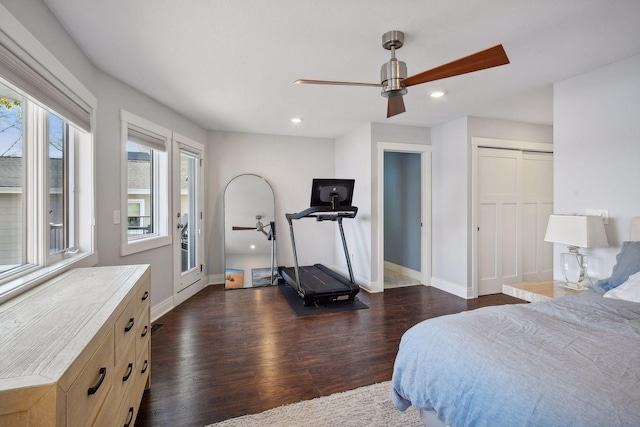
x,y
405,271
215,279
188,292
452,288
367,285
161,309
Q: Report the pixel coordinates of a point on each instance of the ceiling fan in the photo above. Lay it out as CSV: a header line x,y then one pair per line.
x,y
393,75
259,227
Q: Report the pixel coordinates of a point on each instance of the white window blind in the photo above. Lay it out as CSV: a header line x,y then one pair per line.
x,y
25,73
146,139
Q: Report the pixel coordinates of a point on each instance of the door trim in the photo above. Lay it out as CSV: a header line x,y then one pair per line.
x,y
490,143
425,168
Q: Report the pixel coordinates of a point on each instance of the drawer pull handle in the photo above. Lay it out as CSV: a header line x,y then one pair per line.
x,y
94,389
130,325
128,423
144,367
145,296
129,371
144,331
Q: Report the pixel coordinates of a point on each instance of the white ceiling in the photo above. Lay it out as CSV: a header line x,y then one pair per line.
x,y
230,64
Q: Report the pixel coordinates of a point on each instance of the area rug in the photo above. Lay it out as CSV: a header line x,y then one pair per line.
x,y
297,304
369,406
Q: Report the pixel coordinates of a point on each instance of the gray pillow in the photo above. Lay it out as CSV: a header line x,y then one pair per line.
x,y
627,263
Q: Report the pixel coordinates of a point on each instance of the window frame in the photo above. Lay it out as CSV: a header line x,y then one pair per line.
x,y
58,84
160,186
40,263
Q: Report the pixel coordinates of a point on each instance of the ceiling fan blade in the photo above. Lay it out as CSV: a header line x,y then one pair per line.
x,y
331,82
395,106
487,58
243,228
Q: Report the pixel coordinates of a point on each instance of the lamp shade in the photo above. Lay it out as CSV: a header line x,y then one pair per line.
x,y
576,230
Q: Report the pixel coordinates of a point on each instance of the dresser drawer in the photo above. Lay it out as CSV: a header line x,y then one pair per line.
x,y
143,372
125,371
89,390
126,414
144,333
143,293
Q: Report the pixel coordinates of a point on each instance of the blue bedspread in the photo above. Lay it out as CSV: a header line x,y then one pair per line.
x,y
572,361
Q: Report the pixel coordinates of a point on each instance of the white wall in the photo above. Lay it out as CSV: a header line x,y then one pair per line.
x,y
356,156
452,198
382,132
289,164
450,171
112,96
353,160
597,152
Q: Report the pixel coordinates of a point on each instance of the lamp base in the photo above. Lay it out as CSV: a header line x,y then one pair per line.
x,y
574,269
574,286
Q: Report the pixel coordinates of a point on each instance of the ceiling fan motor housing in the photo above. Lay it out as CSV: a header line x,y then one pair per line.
x,y
391,75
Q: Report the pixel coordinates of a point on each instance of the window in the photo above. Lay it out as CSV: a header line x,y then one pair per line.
x,y
38,224
47,188
145,185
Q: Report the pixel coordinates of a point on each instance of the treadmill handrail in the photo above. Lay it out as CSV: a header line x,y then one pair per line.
x,y
325,213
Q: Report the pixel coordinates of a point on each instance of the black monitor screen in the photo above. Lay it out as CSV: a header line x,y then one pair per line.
x,y
325,190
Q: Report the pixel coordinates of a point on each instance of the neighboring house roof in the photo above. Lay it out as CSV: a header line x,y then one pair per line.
x,y
12,172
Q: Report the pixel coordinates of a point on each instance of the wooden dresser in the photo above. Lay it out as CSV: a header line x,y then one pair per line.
x,y
75,351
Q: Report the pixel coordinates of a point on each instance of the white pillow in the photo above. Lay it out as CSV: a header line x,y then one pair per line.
x,y
629,290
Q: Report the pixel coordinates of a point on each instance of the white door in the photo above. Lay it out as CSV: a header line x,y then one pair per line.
x,y
188,216
537,189
499,216
515,199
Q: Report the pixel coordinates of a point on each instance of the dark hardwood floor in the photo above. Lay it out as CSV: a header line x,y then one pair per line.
x,y
223,354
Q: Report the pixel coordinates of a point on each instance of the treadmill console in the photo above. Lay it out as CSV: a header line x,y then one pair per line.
x,y
332,193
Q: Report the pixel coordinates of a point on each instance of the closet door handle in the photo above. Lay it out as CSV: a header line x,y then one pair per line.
x,y
129,371
94,389
130,325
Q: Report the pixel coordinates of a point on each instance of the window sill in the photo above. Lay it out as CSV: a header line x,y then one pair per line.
x,y
33,278
142,245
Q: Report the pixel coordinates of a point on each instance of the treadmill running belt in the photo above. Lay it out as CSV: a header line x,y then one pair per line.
x,y
320,284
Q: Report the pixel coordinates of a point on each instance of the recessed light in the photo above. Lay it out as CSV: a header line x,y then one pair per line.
x,y
252,246
296,120
437,93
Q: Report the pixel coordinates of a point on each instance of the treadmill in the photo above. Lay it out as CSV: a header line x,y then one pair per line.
x,y
316,284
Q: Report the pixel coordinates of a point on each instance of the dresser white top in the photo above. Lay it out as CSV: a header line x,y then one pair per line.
x,y
45,329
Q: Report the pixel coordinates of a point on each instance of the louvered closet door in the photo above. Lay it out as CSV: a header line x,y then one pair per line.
x,y
499,219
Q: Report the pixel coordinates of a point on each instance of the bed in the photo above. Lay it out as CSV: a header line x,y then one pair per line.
x,y
572,361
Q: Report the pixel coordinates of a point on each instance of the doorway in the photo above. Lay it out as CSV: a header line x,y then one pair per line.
x,y
402,219
188,242
406,262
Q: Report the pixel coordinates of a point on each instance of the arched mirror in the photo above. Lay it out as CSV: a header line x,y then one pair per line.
x,y
249,232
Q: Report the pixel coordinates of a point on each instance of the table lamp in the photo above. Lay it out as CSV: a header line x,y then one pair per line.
x,y
576,231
